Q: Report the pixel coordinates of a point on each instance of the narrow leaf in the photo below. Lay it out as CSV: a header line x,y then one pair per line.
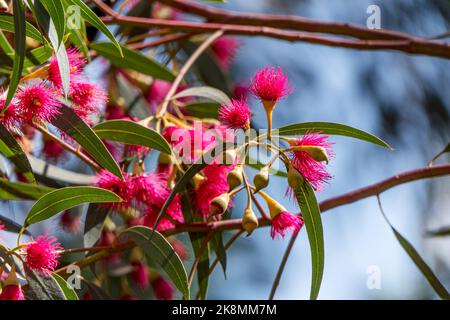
x,y
19,42
67,198
444,232
12,226
446,150
56,11
7,24
95,21
133,60
159,250
12,150
42,287
203,110
69,122
331,129
313,222
418,261
93,226
68,291
205,92
133,133
21,191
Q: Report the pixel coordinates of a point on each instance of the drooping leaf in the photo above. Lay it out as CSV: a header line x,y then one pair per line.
x,y
56,11
159,250
12,150
21,191
94,20
41,287
19,44
418,261
205,92
331,129
133,60
313,222
133,133
70,123
219,248
7,24
93,226
68,291
67,198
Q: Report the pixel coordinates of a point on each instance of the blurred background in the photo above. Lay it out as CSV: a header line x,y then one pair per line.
x,y
403,99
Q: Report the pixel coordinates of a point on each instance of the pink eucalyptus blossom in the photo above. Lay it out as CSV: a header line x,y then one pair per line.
x,y
236,115
12,292
270,84
162,288
76,65
285,222
37,102
224,50
42,254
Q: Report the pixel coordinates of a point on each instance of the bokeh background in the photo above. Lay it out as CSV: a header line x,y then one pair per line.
x,y
403,99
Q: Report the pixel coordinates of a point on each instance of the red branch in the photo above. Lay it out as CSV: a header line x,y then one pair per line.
x,y
409,44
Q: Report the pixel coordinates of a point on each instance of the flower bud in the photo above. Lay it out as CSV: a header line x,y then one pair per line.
x,y
235,178
295,179
318,153
249,221
220,204
275,208
165,158
261,179
197,180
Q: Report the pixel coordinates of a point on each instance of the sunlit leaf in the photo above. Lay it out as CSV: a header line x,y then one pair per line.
x,y
205,92
7,24
68,291
67,198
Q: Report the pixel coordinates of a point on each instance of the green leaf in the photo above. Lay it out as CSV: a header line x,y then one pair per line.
x,y
41,287
37,56
446,150
56,11
331,129
68,291
313,222
19,42
95,21
203,110
133,60
12,150
93,225
205,92
69,122
258,166
444,232
21,191
133,133
67,198
7,24
159,250
219,248
418,261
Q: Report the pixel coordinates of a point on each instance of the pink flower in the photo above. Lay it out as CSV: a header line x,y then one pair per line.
x,y
114,112
76,64
52,151
2,226
140,274
42,254
70,222
12,292
163,289
241,90
10,117
123,188
87,98
224,50
284,222
37,102
107,239
270,84
235,116
312,170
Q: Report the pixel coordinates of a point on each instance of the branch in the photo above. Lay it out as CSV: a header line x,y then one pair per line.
x,y
284,22
411,44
